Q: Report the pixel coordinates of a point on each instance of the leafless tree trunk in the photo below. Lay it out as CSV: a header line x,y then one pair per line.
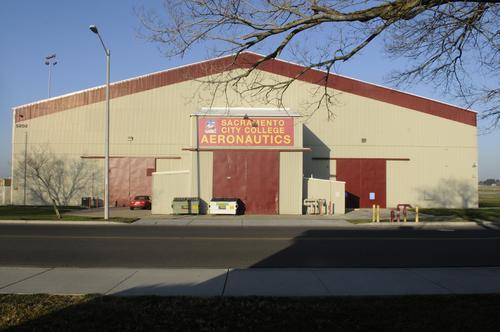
x,y
54,180
445,41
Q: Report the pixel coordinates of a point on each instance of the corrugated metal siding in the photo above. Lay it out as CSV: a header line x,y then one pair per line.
x,y
166,187
129,177
158,121
332,191
363,177
290,193
238,174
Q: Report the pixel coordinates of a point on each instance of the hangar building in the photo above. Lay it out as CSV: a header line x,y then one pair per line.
x,y
173,135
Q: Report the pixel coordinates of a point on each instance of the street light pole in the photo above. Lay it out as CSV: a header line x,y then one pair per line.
x,y
50,60
93,28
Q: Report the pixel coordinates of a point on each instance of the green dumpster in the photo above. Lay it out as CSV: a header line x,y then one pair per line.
x,y
186,205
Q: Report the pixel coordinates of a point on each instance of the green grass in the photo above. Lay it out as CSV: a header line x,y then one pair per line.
x,y
489,196
47,213
491,214
96,313
448,215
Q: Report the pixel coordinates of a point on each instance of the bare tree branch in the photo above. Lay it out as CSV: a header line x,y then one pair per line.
x,y
53,180
446,41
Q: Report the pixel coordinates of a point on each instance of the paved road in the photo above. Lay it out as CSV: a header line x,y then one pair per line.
x,y
220,247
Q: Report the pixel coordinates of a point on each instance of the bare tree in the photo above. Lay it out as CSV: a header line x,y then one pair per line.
x,y
53,180
446,41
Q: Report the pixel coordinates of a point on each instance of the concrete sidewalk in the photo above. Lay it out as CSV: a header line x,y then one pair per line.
x,y
263,221
248,282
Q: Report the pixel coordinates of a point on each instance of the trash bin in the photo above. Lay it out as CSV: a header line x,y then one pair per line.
x,y
86,202
186,205
224,206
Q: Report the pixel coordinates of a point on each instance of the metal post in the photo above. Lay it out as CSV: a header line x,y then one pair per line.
x,y
198,161
48,87
106,134
50,61
25,163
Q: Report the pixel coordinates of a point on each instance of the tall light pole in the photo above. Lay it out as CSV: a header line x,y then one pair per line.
x,y
93,28
50,61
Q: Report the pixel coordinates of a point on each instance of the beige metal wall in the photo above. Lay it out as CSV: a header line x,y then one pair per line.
x,y
442,153
442,167
205,178
4,195
166,186
290,189
332,191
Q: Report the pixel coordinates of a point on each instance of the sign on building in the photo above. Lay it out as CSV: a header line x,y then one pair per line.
x,y
227,131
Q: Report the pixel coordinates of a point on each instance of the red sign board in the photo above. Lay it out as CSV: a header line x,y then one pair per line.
x,y
245,132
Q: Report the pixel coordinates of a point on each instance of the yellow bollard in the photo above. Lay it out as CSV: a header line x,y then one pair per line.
x,y
416,214
378,213
373,213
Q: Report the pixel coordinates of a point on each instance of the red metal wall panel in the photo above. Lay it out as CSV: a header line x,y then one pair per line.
x,y
250,175
245,60
362,177
128,177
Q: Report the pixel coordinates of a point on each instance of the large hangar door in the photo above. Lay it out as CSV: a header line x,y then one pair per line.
x,y
365,181
129,177
251,175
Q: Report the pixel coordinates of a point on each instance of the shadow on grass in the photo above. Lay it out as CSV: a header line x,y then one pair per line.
x,y
319,248
97,313
477,214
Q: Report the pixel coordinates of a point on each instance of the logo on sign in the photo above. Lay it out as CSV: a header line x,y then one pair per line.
x,y
210,127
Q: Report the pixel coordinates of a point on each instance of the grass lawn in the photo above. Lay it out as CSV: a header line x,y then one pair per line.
x,y
448,215
96,313
491,214
47,213
489,196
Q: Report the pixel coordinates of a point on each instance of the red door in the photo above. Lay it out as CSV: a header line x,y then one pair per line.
x,y
251,175
363,178
129,177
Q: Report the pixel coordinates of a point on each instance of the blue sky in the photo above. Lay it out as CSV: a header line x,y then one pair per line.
x,y
31,30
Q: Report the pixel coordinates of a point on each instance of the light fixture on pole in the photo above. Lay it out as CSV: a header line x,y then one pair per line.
x,y
50,61
93,28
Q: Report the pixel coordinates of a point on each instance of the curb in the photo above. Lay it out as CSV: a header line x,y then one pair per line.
x,y
224,223
62,222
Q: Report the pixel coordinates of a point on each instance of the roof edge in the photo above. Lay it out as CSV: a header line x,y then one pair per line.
x,y
245,60
125,80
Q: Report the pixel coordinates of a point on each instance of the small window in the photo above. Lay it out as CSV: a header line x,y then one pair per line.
x,y
363,140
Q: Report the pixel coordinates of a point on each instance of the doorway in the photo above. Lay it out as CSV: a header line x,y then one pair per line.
x,y
250,175
365,182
